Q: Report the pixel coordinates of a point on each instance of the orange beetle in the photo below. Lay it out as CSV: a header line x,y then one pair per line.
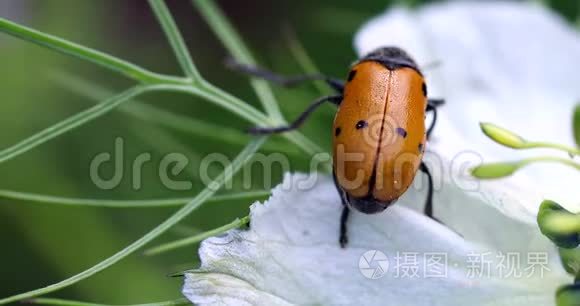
x,y
379,130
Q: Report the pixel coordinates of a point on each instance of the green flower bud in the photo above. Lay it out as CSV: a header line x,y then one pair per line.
x,y
568,295
502,136
559,225
576,122
495,170
570,260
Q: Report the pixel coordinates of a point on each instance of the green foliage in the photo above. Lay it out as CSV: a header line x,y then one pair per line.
x,y
196,238
61,302
194,84
178,216
39,198
568,295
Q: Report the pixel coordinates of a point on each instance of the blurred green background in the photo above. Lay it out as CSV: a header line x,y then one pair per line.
x,y
42,244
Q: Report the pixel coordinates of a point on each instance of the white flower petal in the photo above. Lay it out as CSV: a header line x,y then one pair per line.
x,y
291,254
511,63
495,68
222,289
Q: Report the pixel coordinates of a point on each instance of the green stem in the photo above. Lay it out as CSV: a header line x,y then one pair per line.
x,y
175,39
47,199
551,159
301,56
108,61
164,118
225,176
547,145
70,123
211,93
256,117
239,51
228,102
61,302
196,238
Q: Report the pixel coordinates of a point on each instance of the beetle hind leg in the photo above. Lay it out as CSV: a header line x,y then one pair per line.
x,y
432,105
343,238
428,210
343,232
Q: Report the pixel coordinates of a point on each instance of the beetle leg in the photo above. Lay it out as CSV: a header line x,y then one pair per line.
x,y
435,102
429,202
286,81
343,240
298,122
432,105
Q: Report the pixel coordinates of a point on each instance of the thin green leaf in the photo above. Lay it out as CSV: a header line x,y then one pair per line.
x,y
209,93
233,104
196,238
46,199
61,302
105,60
161,117
240,52
219,96
244,110
225,176
70,123
301,56
175,39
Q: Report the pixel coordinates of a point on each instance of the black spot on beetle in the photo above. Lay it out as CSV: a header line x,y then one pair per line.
x,y
424,88
361,124
402,132
351,75
420,148
337,131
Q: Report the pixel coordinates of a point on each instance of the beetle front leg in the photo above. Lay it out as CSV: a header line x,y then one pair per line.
x,y
299,121
286,81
